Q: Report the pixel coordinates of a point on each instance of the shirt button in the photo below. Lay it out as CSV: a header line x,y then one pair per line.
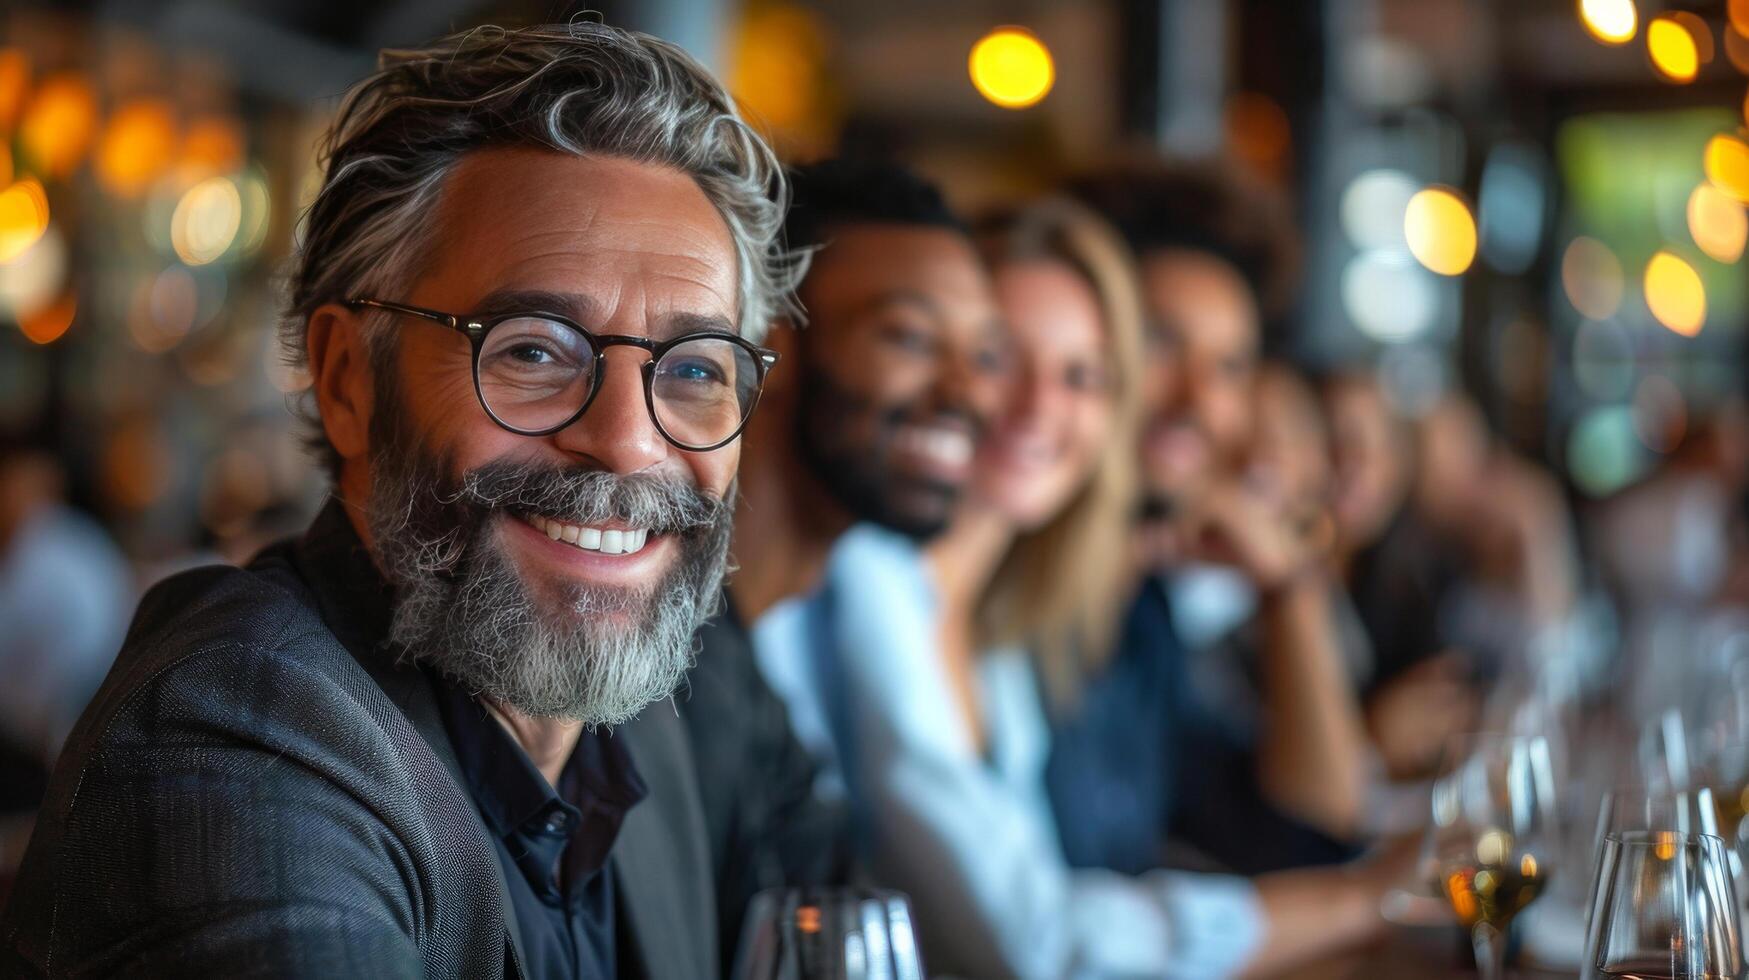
x,y
558,822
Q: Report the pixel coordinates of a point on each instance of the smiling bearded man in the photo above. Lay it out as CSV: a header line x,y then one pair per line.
x,y
429,737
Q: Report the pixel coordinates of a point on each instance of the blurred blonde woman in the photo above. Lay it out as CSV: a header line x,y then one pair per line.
x,y
934,704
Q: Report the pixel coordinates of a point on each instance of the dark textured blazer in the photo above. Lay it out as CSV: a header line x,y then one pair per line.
x,y
258,790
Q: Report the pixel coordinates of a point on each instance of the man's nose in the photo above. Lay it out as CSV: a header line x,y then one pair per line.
x,y
617,433
965,383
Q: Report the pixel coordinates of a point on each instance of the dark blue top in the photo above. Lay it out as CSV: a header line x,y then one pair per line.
x,y
1140,756
553,845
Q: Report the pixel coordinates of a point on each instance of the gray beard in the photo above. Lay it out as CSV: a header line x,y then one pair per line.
x,y
590,654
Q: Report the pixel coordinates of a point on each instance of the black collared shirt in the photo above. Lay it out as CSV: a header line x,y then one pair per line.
x,y
553,844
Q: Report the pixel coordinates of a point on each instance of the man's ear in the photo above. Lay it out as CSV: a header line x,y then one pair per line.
x,y
340,372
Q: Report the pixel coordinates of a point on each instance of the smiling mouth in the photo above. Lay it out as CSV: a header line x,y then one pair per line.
x,y
604,540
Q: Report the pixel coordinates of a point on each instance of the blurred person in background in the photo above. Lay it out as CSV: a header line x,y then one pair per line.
x,y
66,594
1220,551
886,382
415,741
1414,708
932,699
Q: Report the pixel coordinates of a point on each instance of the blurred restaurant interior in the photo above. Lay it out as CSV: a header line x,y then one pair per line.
x,y
1572,262
1533,209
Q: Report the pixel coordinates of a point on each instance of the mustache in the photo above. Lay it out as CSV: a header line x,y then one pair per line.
x,y
590,496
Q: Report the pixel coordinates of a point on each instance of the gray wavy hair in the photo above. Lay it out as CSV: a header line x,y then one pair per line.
x,y
582,88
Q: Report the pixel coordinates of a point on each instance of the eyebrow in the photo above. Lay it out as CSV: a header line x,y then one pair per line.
x,y
581,308
904,297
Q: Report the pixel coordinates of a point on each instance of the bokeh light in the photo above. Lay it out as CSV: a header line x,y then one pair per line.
x,y
1660,414
1673,49
1737,51
163,310
24,217
1511,207
1727,165
206,220
1610,21
134,470
34,279
257,215
1387,296
1440,230
47,325
1592,277
59,124
14,85
1603,452
213,146
137,146
1675,295
1737,16
1373,206
1717,223
5,165
775,62
1258,131
1011,67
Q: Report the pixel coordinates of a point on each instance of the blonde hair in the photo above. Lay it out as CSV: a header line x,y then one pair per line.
x,y
1061,587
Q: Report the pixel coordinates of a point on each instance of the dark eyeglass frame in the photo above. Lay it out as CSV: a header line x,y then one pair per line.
x,y
476,328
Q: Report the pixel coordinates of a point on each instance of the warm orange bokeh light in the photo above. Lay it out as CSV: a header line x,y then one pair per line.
x,y
24,216
45,326
59,124
14,83
5,165
213,146
138,145
1258,131
776,57
1675,295
1737,13
1674,50
1717,223
1011,67
1727,165
1440,230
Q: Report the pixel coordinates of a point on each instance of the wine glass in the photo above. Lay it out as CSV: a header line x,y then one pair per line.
x,y
1492,841
1630,809
829,934
1663,910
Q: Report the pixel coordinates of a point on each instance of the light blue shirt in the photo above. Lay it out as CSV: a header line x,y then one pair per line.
x,y
972,839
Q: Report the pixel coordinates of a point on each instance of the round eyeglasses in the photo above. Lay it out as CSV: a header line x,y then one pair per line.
x,y
536,373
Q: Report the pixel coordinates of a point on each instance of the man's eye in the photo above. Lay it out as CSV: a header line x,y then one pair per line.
x,y
908,339
694,370
531,354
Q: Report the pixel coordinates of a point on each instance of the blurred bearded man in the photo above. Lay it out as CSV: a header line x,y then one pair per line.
x,y
414,742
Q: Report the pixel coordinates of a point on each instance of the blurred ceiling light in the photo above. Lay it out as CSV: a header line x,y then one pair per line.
x,y
1603,359
1660,414
1511,207
1675,295
138,145
213,146
1011,67
59,124
24,216
34,279
1610,21
14,83
1717,222
1440,230
206,220
1387,296
1674,51
1727,165
46,325
1373,206
1602,450
1592,277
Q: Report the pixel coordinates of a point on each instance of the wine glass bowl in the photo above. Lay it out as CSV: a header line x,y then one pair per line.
x,y
1664,909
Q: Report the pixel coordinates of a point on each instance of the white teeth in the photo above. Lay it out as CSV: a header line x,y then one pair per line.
x,y
613,541
947,446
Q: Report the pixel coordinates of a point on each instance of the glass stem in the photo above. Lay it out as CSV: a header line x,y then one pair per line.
x,y
1490,946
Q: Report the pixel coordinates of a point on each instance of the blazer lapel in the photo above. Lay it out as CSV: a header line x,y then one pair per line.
x,y
661,860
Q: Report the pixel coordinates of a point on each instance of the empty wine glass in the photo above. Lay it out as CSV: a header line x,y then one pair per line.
x,y
1663,910
1631,809
1492,842
829,934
